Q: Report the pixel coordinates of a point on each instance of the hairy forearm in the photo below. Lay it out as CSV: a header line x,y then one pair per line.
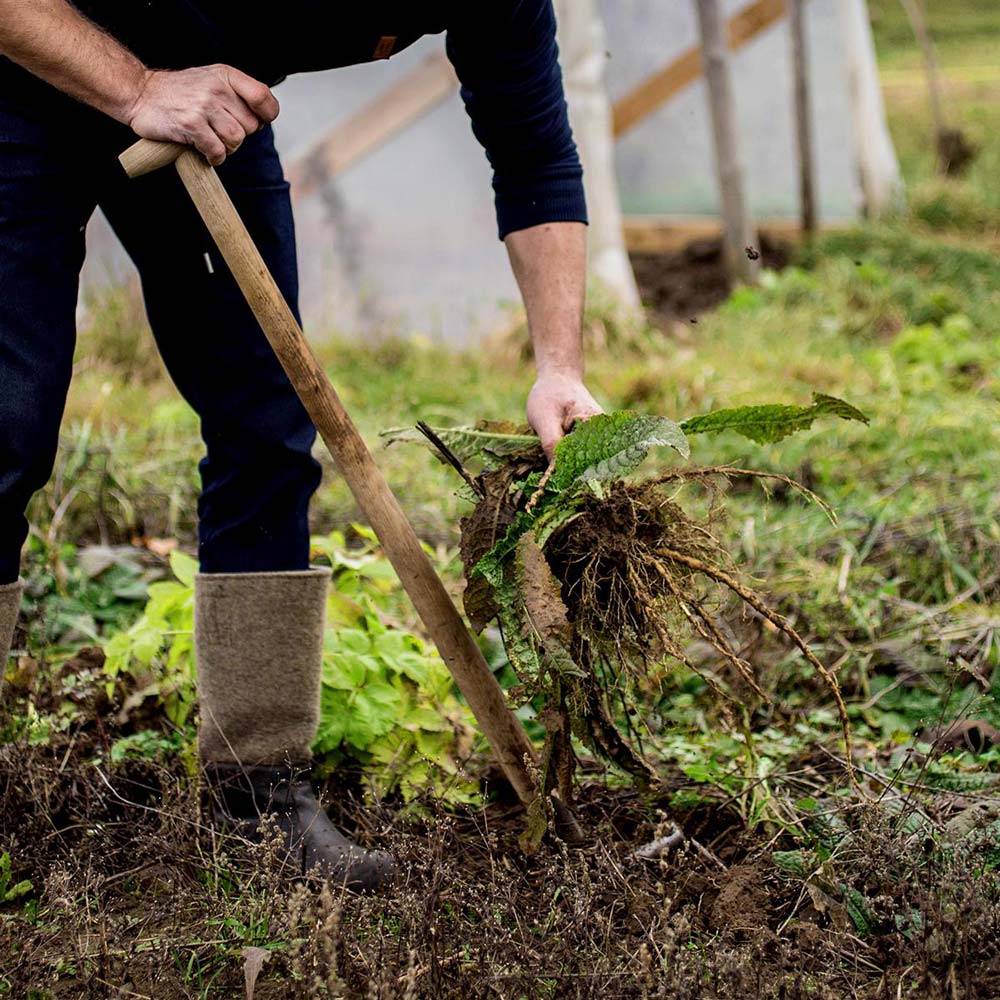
x,y
52,40
550,265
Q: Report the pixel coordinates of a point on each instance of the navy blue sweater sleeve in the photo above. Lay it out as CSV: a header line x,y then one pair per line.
x,y
507,60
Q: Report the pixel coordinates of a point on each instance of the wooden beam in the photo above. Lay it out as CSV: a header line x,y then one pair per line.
x,y
657,89
421,90
409,99
662,234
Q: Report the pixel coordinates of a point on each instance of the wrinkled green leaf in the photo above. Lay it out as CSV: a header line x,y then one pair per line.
x,y
496,438
858,910
771,422
610,446
794,862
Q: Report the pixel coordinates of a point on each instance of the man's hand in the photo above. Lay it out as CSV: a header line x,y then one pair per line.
x,y
554,403
213,108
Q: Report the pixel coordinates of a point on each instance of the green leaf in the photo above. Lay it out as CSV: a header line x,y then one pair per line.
x,y
496,438
147,642
771,422
332,723
359,723
354,640
345,669
183,567
858,910
426,719
416,666
609,446
793,862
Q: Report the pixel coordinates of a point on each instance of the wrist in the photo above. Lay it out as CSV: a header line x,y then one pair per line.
x,y
560,369
126,107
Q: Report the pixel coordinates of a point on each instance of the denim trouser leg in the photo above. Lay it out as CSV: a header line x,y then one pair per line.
x,y
258,474
44,206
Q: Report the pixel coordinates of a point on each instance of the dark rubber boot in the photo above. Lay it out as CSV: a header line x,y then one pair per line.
x,y
242,797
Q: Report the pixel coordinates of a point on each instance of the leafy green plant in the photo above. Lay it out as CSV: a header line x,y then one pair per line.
x,y
9,889
386,698
588,574
158,649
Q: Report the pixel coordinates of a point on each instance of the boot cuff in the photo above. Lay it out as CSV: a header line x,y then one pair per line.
x,y
259,649
249,579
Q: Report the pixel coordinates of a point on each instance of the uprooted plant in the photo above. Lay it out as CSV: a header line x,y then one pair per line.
x,y
597,580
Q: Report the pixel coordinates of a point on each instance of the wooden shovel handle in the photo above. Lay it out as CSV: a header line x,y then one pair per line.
x,y
458,649
148,155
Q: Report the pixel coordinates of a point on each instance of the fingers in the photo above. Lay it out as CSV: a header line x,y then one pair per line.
x,y
228,129
553,413
248,105
257,96
213,108
207,142
550,432
244,116
580,412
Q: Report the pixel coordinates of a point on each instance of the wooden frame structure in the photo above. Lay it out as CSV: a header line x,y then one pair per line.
x,y
425,87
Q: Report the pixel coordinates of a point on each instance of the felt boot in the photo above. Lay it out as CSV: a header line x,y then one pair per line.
x,y
259,649
10,605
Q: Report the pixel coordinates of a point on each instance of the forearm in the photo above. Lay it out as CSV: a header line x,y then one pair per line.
x,y
52,40
550,264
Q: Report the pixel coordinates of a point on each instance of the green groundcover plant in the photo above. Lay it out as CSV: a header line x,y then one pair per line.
x,y
386,697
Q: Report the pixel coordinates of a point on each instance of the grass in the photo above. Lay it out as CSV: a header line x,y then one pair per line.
x,y
966,35
902,318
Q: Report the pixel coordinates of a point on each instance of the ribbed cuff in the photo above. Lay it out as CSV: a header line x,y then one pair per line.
x,y
550,200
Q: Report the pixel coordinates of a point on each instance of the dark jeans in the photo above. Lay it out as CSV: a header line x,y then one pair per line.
x,y
58,161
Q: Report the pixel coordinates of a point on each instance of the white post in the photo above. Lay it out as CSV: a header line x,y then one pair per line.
x,y
583,55
738,228
881,184
803,116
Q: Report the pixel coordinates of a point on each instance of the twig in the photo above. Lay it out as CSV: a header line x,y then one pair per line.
x,y
542,483
657,848
450,457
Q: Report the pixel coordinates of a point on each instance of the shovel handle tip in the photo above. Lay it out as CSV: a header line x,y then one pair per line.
x,y
147,155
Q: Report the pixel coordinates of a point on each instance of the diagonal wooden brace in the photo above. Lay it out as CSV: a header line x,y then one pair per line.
x,y
458,648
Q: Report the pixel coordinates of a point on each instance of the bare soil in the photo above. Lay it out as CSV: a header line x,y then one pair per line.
x,y
679,285
132,897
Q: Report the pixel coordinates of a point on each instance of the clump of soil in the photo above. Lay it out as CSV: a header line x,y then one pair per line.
x,y
623,593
